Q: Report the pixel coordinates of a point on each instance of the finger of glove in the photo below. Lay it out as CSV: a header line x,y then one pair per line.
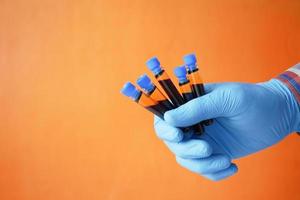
x,y
211,164
193,148
194,111
231,170
167,132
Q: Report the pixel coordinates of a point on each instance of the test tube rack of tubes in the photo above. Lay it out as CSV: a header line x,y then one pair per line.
x,y
149,96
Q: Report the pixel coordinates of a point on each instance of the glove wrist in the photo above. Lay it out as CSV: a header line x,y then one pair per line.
x,y
292,108
290,79
294,105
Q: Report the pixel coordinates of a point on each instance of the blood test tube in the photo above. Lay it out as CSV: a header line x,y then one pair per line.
x,y
163,79
142,99
186,91
195,78
184,83
152,91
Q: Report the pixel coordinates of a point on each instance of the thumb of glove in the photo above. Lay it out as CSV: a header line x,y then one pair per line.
x,y
194,111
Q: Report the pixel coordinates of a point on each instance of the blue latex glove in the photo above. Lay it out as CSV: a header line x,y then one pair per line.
x,y
247,119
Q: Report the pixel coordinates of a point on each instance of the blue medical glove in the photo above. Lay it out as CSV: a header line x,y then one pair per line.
x,y
248,118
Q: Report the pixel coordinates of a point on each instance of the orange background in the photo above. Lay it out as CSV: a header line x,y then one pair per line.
x,y
67,133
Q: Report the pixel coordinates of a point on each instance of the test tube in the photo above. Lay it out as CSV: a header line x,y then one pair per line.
x,y
195,77
186,91
142,99
163,79
152,91
184,83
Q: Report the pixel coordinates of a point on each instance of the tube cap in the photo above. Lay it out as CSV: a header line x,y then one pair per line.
x,y
190,60
145,83
130,90
154,65
180,72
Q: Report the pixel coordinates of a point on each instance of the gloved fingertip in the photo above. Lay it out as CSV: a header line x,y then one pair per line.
x,y
166,132
173,136
224,161
204,150
176,136
196,149
170,117
191,149
233,169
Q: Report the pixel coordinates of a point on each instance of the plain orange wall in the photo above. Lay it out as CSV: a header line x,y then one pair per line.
x,y
67,133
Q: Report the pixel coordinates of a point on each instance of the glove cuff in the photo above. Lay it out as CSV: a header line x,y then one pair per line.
x,y
291,78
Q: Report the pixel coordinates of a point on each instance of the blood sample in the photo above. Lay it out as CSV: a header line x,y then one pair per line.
x,y
184,83
186,91
163,79
195,78
152,91
142,99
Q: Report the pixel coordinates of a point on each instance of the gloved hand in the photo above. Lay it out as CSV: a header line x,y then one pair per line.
x,y
247,119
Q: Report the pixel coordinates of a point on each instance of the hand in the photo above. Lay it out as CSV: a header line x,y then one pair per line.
x,y
247,119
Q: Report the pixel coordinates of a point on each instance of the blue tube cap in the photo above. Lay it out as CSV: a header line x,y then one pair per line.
x,y
130,90
154,65
145,83
180,72
190,60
